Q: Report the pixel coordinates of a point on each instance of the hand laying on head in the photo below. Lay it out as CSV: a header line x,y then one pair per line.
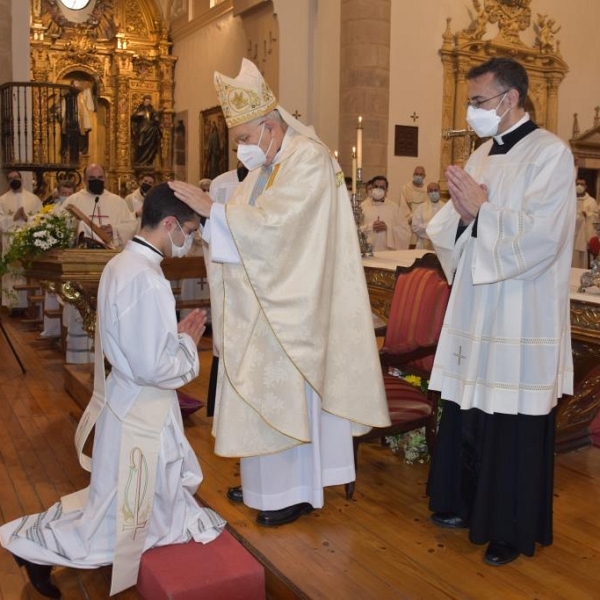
x,y
467,195
194,325
199,201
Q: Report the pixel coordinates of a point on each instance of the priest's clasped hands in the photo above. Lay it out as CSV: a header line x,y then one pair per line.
x,y
467,195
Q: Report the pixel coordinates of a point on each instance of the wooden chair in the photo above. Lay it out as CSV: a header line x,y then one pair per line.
x,y
416,315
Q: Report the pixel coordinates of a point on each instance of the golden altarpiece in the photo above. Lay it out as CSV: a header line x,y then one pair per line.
x,y
471,46
114,53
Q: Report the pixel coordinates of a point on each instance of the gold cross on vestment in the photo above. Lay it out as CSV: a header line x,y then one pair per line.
x,y
459,354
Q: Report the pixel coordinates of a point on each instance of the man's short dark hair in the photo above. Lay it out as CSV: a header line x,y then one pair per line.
x,y
507,72
161,202
374,179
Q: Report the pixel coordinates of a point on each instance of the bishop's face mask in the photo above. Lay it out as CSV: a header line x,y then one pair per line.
x,y
253,156
485,122
181,251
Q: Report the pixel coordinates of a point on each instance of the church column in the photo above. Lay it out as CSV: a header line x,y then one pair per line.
x,y
553,83
365,82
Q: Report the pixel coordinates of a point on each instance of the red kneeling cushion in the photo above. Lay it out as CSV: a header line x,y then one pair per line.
x,y
220,570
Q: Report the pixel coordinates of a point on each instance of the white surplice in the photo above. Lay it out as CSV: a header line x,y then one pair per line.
x,y
422,214
136,316
505,345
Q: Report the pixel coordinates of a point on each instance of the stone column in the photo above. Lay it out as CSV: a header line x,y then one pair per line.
x,y
365,82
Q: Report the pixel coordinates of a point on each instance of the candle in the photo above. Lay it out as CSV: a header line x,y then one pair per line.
x,y
353,170
335,154
359,132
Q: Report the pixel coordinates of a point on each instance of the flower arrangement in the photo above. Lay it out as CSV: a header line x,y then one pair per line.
x,y
412,443
42,232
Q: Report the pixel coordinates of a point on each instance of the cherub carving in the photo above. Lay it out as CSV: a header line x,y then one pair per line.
x,y
545,29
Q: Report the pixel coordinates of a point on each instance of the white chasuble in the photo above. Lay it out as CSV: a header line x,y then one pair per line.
x,y
505,345
294,310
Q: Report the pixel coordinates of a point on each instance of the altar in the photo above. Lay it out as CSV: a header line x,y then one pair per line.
x,y
575,413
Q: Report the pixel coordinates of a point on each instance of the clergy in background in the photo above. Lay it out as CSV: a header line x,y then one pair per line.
x,y
385,224
423,213
16,206
299,371
504,355
585,225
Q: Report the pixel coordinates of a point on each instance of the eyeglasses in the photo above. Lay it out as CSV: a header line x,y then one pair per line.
x,y
478,103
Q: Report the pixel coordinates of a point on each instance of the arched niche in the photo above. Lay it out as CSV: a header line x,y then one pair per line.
x,y
121,53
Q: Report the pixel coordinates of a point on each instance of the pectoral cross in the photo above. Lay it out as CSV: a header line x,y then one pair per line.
x,y
459,354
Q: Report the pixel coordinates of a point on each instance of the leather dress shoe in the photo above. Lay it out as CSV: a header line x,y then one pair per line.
x,y
449,520
500,553
272,518
235,494
39,576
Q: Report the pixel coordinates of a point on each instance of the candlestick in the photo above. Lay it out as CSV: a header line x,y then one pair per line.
x,y
359,132
353,169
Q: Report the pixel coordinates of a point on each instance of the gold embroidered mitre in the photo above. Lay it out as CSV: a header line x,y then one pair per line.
x,y
246,97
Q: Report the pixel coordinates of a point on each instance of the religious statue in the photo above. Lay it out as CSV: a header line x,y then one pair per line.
x,y
146,132
545,29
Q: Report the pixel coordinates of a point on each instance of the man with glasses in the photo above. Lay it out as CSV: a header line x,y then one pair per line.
x,y
505,241
385,226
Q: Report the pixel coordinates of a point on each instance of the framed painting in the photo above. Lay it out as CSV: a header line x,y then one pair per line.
x,y
214,143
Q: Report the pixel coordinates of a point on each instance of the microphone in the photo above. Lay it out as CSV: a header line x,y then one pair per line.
x,y
96,199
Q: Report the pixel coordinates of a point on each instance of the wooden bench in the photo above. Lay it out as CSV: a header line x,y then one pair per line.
x,y
220,570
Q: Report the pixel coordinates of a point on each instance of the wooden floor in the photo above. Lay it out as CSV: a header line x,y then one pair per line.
x,y
380,545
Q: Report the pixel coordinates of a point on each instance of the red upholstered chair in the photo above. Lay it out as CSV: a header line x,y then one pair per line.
x,y
416,316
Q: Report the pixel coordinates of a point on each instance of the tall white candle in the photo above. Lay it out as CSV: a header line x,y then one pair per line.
x,y
353,170
359,142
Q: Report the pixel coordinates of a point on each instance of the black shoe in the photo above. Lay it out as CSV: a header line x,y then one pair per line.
x,y
235,494
272,518
39,575
500,553
449,520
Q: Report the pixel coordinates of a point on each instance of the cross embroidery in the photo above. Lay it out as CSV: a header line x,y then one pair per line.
x,y
98,214
459,354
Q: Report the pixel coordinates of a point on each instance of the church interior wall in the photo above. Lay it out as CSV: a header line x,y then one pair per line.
x,y
417,75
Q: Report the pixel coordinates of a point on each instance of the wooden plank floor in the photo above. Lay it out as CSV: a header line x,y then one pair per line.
x,y
380,545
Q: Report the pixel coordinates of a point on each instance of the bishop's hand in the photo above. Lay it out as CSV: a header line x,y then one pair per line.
x,y
199,201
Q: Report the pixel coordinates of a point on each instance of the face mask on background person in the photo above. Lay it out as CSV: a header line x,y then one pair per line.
x,y
580,190
377,194
145,188
485,122
181,251
15,184
96,186
253,156
434,196
418,179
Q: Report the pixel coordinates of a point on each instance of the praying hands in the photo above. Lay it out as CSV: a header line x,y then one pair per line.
x,y
467,195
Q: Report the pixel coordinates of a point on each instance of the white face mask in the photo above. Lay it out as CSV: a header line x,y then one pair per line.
x,y
434,196
417,179
580,189
485,122
253,156
181,251
377,194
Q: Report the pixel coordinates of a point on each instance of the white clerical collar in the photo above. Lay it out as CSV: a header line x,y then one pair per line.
x,y
524,119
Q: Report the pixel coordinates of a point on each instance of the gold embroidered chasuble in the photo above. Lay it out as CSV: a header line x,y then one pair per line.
x,y
295,310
